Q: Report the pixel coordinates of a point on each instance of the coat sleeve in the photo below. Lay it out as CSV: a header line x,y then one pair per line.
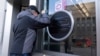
x,y
42,18
41,21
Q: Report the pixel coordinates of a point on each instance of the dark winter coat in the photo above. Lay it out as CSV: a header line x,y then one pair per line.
x,y
25,31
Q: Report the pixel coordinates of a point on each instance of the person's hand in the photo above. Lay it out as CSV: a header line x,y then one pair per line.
x,y
43,11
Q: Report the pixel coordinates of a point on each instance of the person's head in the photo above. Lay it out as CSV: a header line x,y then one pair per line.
x,y
34,10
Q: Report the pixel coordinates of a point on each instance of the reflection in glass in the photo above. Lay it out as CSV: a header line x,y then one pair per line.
x,y
83,39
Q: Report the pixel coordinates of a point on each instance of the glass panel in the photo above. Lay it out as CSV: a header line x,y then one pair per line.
x,y
82,41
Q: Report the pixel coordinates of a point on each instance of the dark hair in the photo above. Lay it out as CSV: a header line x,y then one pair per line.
x,y
32,7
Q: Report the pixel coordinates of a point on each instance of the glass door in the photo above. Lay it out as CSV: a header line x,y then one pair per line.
x,y
82,41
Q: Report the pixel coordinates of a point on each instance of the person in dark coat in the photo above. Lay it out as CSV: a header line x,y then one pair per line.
x,y
24,29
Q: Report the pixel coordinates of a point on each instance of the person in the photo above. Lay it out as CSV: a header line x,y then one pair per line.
x,y
24,29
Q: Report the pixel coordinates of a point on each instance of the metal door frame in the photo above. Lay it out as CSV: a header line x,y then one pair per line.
x,y
98,26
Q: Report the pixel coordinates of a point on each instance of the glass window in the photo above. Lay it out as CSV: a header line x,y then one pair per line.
x,y
82,41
